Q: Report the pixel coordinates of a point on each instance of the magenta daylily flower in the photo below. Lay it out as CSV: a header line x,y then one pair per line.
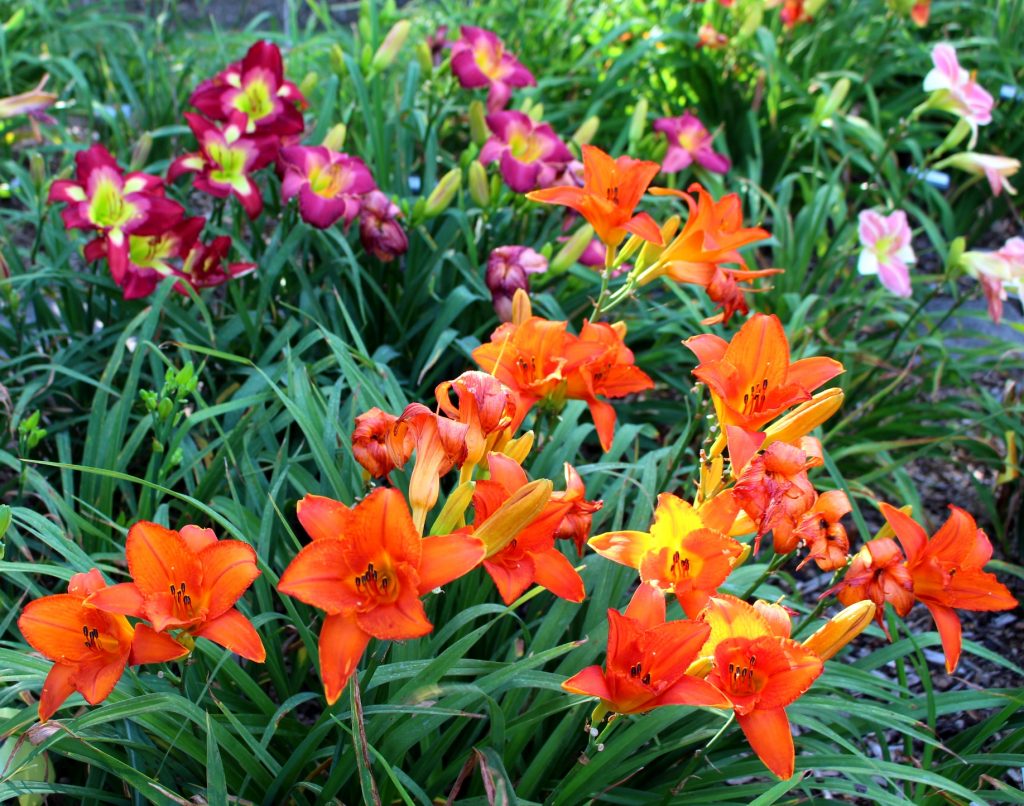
x,y
225,160
379,230
479,59
149,256
255,87
886,249
204,265
329,184
115,204
955,90
531,154
688,142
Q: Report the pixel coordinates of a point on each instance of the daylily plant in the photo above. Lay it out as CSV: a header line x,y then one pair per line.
x,y
886,249
479,59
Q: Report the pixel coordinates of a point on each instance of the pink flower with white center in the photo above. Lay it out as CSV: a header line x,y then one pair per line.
x,y
509,269
225,160
149,257
204,265
479,59
379,230
998,272
329,184
256,87
688,142
955,90
886,249
531,154
994,168
115,204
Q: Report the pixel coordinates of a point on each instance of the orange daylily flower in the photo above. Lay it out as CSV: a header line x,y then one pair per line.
x,y
820,530
761,670
375,448
530,557
367,567
575,525
485,405
751,378
948,572
187,580
89,648
647,661
603,365
680,552
773,489
878,573
611,190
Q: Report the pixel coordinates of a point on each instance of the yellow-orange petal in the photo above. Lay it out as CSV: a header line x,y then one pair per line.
x,y
589,682
229,568
235,632
626,547
322,517
158,558
342,643
150,646
448,557
319,575
124,599
769,735
57,687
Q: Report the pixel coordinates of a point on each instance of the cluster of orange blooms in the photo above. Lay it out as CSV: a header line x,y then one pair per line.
x,y
368,566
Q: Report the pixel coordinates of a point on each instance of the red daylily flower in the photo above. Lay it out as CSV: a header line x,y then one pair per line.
x,y
367,567
647,661
373,445
681,552
611,190
187,580
878,573
204,267
89,648
948,572
530,557
256,88
575,525
820,530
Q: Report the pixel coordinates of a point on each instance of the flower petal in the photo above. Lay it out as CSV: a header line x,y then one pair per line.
x,y
158,558
589,682
448,557
319,575
948,624
769,735
342,643
150,646
554,572
234,631
125,599
58,686
229,568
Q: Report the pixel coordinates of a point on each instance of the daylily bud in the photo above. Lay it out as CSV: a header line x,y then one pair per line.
x,y
812,7
518,449
805,417
827,105
700,667
453,513
996,169
585,133
521,307
5,519
536,111
365,57
572,249
710,476
841,629
140,152
32,102
391,45
508,270
337,56
638,122
335,137
478,131
956,252
479,188
37,169
442,196
752,19
514,515
424,57
308,83
650,252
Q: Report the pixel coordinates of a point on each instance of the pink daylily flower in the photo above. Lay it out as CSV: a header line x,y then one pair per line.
x,y
379,231
531,154
115,204
994,168
204,265
886,249
479,59
329,184
688,142
225,160
255,87
955,90
149,256
998,271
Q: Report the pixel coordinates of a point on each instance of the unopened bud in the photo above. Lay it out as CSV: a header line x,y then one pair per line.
x,y
308,83
37,169
392,44
337,57
805,417
514,515
453,513
424,57
518,449
521,307
479,188
335,137
585,133
572,249
478,131
444,194
638,122
536,112
841,629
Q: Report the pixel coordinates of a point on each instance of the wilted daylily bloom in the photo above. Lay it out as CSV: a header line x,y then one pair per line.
x,y
530,154
761,672
508,270
647,661
379,231
187,580
688,142
948,573
33,103
600,364
680,553
485,405
374,446
886,249
255,87
823,534
204,266
149,256
329,185
611,191
367,567
530,556
711,38
955,90
994,168
878,573
751,378
89,648
479,59
575,525
117,205
225,161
